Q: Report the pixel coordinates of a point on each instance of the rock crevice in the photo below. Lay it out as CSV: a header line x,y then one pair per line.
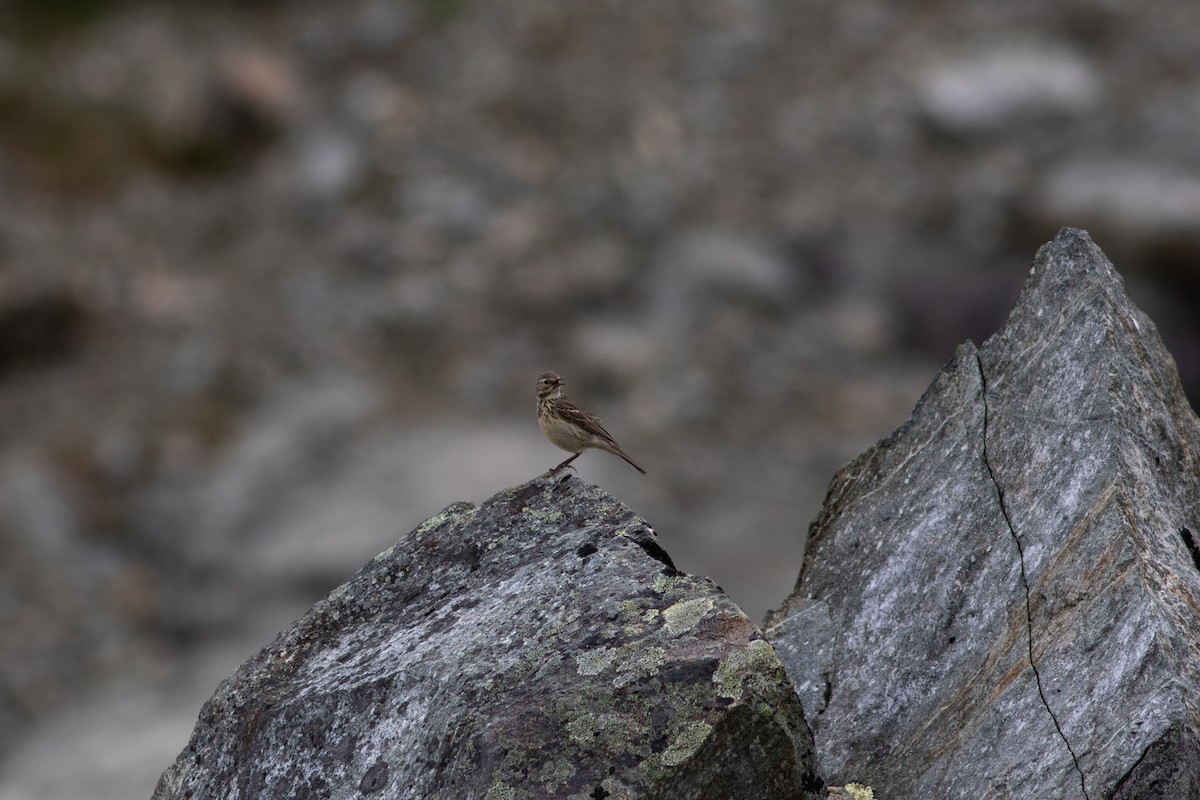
x,y
1003,507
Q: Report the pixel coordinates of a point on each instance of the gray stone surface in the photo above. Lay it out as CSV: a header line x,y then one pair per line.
x,y
1012,577
539,645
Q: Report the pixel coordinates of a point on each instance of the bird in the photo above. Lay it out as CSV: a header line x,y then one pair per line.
x,y
568,426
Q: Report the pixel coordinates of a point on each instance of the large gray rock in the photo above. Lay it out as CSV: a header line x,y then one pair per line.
x,y
539,645
1002,599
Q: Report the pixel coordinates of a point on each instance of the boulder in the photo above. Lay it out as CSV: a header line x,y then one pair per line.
x,y
1002,598
539,645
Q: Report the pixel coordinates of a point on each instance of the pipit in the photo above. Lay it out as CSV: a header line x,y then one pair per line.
x,y
568,426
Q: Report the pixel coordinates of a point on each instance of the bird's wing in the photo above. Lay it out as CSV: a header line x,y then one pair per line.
x,y
590,423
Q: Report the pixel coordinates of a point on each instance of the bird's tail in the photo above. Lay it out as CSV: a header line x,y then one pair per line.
x,y
629,460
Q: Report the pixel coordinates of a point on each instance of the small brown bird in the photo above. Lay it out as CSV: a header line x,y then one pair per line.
x,y
568,426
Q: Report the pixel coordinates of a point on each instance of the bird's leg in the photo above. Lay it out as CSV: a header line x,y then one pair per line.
x,y
565,463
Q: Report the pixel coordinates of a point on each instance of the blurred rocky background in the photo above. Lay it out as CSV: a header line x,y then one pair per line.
x,y
276,279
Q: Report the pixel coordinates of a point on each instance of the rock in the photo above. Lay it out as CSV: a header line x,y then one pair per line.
x,y
992,91
539,645
1010,582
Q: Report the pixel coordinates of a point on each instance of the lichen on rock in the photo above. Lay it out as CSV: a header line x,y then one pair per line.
x,y
539,645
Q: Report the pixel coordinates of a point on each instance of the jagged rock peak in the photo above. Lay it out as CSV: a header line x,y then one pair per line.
x,y
1002,599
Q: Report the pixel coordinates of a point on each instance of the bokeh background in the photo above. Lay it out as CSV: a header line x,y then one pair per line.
x,y
276,279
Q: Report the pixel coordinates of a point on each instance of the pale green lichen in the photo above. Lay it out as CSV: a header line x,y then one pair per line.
x,y
665,584
684,616
391,551
636,609
429,524
685,743
500,791
461,511
542,515
608,732
581,730
734,670
636,620
644,661
555,774
593,662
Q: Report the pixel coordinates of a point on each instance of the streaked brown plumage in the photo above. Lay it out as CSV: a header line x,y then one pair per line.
x,y
568,426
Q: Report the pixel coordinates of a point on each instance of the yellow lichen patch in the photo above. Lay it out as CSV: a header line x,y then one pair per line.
x,y
500,791
593,662
430,524
605,733
386,554
552,515
685,743
642,663
665,584
582,730
684,616
460,510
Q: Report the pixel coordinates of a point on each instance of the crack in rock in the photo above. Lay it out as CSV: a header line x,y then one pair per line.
x,y
1024,581
1190,543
